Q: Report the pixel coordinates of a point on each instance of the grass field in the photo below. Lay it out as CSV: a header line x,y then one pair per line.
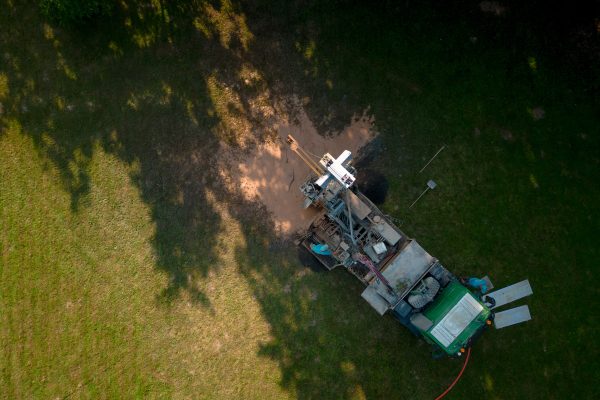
x,y
129,270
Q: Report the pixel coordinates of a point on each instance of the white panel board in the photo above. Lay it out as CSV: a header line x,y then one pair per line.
x,y
512,316
388,233
375,300
511,293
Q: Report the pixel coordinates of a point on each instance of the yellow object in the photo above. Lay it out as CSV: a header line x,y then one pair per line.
x,y
295,146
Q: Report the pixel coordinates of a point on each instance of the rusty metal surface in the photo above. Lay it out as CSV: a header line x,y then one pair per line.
x,y
409,267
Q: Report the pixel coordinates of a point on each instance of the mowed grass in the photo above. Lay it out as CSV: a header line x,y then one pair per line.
x,y
80,312
129,270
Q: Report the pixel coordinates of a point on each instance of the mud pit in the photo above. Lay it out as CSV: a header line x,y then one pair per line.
x,y
273,173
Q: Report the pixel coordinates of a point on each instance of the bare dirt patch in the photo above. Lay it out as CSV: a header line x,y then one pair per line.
x,y
538,113
272,173
507,135
492,7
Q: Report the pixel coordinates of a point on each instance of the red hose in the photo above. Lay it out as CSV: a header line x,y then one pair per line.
x,y
388,256
458,377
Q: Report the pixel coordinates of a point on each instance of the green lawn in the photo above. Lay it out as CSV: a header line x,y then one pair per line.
x,y
129,270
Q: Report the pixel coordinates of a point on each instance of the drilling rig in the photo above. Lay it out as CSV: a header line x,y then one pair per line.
x,y
399,275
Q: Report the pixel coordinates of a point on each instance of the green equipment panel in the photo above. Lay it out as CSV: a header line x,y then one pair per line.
x,y
457,315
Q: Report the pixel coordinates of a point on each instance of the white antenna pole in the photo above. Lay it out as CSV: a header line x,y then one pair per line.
x,y
445,145
418,198
430,185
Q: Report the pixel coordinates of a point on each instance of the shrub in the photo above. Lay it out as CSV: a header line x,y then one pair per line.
x,y
69,13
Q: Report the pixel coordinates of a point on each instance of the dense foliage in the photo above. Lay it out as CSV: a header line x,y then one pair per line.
x,y
73,12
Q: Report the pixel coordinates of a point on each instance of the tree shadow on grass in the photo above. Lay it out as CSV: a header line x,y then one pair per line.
x,y
326,340
152,85
162,87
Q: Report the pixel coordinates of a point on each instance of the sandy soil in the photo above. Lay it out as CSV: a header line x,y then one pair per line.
x,y
273,173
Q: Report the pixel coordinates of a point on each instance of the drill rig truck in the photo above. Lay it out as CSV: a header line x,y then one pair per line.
x,y
399,275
